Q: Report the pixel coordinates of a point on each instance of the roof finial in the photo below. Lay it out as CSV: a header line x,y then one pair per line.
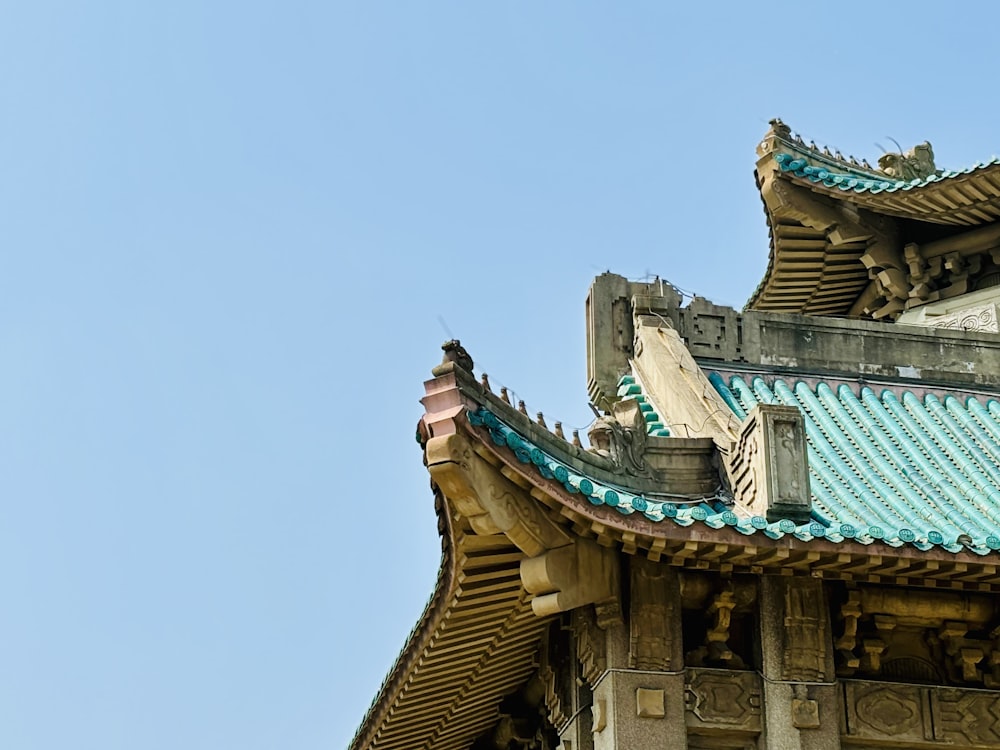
x,y
454,356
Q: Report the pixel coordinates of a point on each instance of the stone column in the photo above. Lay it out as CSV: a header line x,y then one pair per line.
x,y
800,707
639,698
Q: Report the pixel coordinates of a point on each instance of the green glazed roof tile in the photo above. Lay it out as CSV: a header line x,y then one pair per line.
x,y
864,181
884,467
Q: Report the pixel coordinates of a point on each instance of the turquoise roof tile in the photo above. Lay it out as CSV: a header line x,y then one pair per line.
x,y
630,388
888,467
863,181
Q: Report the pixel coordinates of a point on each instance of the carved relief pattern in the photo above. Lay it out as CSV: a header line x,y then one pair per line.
x,y
908,713
979,318
967,717
622,437
558,708
651,617
880,710
850,613
591,647
805,631
768,467
722,700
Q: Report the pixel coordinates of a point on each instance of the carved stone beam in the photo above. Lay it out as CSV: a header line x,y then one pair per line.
x,y
591,645
717,638
572,576
869,300
655,596
871,659
972,242
959,268
968,659
842,224
492,503
850,612
993,678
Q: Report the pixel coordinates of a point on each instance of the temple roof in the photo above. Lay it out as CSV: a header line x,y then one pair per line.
x,y
888,467
837,224
968,196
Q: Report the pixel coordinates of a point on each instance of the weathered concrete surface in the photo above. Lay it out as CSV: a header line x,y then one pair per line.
x,y
618,309
637,709
686,400
801,708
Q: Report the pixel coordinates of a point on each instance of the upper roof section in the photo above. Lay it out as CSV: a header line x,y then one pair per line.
x,y
908,185
855,240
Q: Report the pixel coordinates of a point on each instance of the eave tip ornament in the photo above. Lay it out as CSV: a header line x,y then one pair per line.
x,y
454,356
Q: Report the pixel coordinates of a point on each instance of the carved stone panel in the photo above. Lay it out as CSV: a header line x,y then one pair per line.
x,y
911,715
887,711
653,617
591,647
805,631
966,717
978,318
769,467
722,700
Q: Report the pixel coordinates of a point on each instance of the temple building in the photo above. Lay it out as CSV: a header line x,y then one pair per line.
x,y
783,531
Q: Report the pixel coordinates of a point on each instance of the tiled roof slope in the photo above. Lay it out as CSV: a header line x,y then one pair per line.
x,y
891,466
958,197
630,388
857,182
886,467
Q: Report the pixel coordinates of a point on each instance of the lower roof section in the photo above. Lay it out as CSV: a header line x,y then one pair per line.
x,y
888,467
892,466
476,643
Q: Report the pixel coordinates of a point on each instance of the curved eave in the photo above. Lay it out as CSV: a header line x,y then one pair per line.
x,y
692,543
807,274
967,197
699,539
475,643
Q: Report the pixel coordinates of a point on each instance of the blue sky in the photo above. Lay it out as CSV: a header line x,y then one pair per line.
x,y
234,236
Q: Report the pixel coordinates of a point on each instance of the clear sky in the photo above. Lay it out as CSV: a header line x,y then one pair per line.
x,y
234,235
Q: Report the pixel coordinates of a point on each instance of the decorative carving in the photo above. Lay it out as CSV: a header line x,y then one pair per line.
x,y
571,576
871,655
722,700
454,356
915,164
717,638
716,651
850,613
805,630
599,710
965,654
553,701
769,468
552,662
651,617
591,646
650,703
903,714
967,717
491,502
977,318
805,714
877,710
622,437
